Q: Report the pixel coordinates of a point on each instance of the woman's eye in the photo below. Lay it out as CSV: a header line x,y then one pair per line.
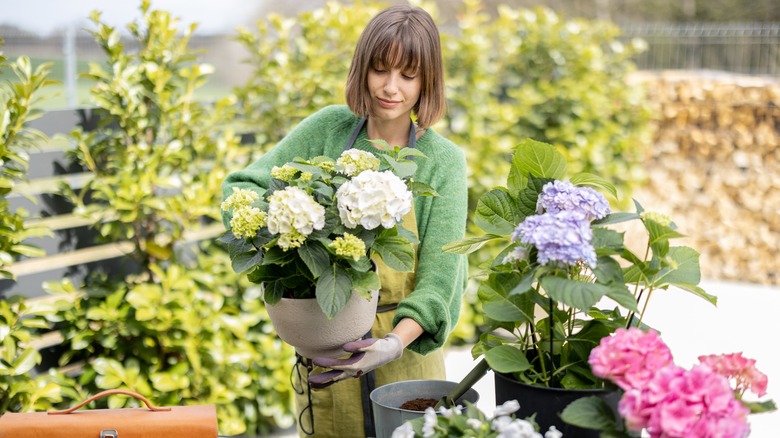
x,y
409,76
378,69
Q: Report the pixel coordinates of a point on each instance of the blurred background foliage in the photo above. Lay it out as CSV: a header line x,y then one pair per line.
x,y
174,322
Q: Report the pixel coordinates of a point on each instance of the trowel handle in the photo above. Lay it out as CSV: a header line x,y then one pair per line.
x,y
448,401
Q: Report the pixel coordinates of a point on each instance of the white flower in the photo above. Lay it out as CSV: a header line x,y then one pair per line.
x,y
448,413
474,423
355,161
293,211
553,433
509,407
372,199
430,422
404,431
514,428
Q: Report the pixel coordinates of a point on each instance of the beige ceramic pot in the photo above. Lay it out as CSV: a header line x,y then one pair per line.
x,y
302,324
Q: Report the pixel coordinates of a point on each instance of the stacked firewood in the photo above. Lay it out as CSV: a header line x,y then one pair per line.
x,y
715,169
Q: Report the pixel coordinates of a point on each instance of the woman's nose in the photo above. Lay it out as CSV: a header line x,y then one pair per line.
x,y
391,84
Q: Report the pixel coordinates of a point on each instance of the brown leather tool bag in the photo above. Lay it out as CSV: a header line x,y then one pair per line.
x,y
198,421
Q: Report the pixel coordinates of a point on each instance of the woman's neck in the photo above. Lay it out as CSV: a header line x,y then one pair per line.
x,y
394,132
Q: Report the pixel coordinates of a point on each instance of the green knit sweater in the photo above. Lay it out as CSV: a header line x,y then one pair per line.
x,y
441,277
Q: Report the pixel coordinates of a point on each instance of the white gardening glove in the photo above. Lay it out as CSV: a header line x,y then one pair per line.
x,y
367,355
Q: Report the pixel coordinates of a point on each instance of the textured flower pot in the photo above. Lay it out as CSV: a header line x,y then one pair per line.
x,y
548,403
387,399
302,324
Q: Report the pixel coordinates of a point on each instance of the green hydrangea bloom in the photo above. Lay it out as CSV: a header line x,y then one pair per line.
x,y
349,246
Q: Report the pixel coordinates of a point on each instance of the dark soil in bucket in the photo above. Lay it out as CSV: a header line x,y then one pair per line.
x,y
419,404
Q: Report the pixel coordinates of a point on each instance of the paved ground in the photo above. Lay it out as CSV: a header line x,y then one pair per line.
x,y
747,319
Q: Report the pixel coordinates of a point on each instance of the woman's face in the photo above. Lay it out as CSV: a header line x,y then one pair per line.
x,y
394,92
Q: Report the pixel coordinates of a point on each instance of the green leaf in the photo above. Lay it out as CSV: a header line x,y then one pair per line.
x,y
681,266
660,233
590,413
422,189
246,261
698,291
315,256
25,362
759,407
539,159
470,244
595,181
616,218
396,252
334,288
507,359
497,212
577,294
365,281
529,196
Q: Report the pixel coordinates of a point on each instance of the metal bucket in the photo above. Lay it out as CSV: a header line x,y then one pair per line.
x,y
387,399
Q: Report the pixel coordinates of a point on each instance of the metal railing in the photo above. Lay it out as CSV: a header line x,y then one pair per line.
x,y
748,48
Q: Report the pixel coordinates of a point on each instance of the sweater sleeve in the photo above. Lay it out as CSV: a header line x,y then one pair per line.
x,y
441,277
309,138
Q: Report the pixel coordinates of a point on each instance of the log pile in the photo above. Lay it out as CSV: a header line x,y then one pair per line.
x,y
715,169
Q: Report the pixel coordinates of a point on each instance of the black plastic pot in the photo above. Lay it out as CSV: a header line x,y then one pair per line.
x,y
548,403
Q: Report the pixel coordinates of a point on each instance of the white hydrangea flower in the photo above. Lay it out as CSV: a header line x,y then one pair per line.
x,y
355,161
474,423
553,433
404,431
372,199
448,413
509,407
430,422
508,427
293,211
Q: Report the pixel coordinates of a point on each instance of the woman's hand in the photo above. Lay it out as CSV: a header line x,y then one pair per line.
x,y
367,354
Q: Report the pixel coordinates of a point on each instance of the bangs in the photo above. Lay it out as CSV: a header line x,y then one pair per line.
x,y
397,51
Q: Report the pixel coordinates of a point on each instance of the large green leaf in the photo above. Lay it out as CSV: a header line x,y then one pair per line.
x,y
577,294
497,212
396,252
315,256
246,261
589,179
539,159
334,288
507,359
683,268
590,413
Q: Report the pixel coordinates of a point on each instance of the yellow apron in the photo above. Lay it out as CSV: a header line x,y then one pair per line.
x,y
337,411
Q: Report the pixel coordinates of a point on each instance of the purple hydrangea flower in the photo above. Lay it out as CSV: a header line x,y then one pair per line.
x,y
563,237
564,196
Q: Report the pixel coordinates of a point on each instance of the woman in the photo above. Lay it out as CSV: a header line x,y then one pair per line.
x,y
396,74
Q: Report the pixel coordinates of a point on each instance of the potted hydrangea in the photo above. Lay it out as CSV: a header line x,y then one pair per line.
x,y
564,279
313,238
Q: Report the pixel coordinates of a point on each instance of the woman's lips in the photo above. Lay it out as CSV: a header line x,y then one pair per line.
x,y
387,103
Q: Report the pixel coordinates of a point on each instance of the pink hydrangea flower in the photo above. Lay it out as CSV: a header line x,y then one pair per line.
x,y
685,403
630,357
740,370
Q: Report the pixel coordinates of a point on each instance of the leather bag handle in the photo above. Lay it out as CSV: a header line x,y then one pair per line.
x,y
107,393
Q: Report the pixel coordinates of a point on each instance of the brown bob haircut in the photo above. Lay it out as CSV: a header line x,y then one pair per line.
x,y
402,37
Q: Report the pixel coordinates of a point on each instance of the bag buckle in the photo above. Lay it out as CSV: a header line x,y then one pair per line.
x,y
109,434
